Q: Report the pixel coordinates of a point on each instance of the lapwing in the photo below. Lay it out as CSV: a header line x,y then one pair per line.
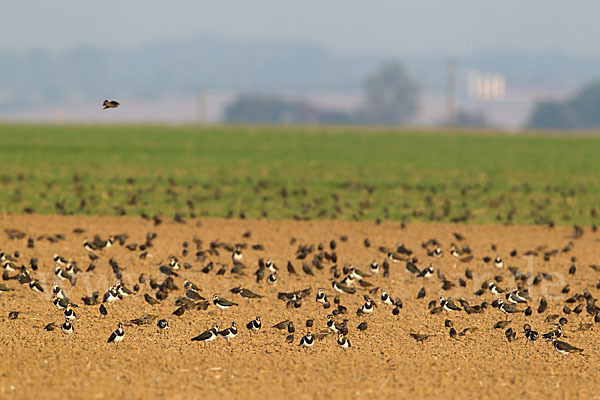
x,y
110,104
386,298
357,274
515,297
249,294
69,313
64,276
307,340
437,252
341,288
494,289
270,266
426,273
374,268
395,257
331,324
237,255
281,325
412,268
57,291
117,335
343,341
67,327
223,304
553,334
272,278
321,297
448,304
35,285
162,325
111,296
508,308
208,335
254,325
530,335
368,306
498,263
61,304
565,348
229,333
510,334
51,326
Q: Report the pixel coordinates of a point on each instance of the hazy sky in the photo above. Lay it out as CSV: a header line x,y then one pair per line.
x,y
382,26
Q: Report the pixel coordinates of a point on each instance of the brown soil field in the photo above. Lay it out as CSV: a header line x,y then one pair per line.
x,y
383,361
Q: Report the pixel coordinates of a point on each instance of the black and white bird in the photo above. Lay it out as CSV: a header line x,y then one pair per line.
x,y
229,333
117,335
565,348
553,334
67,327
57,291
448,304
162,325
36,286
307,340
530,335
272,278
508,308
208,335
331,324
426,273
341,288
437,252
386,298
321,297
111,296
494,289
515,297
254,325
270,266
367,307
69,313
110,104
223,304
343,341
374,268
61,304
498,263
237,255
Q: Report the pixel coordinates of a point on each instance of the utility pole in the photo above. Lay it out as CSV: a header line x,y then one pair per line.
x,y
451,92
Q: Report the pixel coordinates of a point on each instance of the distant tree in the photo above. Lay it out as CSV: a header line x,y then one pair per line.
x,y
471,119
580,111
391,96
551,115
249,108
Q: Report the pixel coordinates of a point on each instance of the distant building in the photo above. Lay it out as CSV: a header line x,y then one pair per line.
x,y
483,86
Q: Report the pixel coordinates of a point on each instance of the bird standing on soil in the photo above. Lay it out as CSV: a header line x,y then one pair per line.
x,y
223,304
162,325
229,333
565,348
118,335
254,325
208,335
307,340
67,327
343,341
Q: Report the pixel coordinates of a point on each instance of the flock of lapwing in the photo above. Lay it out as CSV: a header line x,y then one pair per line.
x,y
162,282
